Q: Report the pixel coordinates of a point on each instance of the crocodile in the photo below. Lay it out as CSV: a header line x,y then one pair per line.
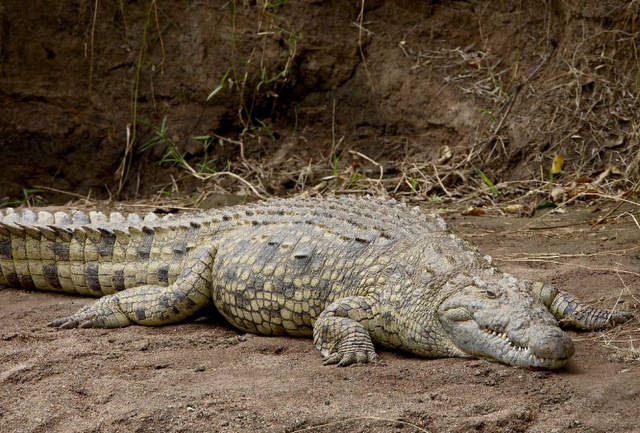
x,y
350,272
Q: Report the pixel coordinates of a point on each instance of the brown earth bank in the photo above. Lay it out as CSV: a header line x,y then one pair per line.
x,y
205,376
272,91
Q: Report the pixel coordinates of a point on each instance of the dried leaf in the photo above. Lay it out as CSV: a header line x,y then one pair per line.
x,y
444,154
615,170
556,166
614,141
474,63
513,208
558,194
473,211
601,177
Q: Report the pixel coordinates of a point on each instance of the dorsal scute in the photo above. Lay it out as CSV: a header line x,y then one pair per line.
x,y
93,233
135,230
134,218
122,233
106,231
28,216
45,218
80,218
31,230
116,218
150,218
12,228
79,234
10,216
61,219
62,232
97,217
48,233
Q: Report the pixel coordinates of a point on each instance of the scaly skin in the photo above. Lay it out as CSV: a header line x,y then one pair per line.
x,y
350,272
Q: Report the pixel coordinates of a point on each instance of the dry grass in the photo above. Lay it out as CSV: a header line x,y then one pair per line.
x,y
581,103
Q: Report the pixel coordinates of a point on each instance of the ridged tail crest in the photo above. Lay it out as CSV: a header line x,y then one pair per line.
x,y
89,253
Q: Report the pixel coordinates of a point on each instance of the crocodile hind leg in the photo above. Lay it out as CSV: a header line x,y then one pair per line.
x,y
150,305
570,311
340,332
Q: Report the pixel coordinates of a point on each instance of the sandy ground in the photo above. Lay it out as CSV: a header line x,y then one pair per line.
x,y
206,376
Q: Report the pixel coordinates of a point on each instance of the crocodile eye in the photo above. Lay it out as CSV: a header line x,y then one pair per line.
x,y
489,294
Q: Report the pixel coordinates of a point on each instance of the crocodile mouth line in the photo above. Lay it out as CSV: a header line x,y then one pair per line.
x,y
522,352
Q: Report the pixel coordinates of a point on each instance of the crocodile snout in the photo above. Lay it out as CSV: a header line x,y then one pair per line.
x,y
550,342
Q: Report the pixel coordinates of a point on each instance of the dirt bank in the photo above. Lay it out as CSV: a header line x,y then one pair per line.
x,y
431,93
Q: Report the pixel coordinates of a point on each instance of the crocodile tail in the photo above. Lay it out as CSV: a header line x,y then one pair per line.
x,y
77,252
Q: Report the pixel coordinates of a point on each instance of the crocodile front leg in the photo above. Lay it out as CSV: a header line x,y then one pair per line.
x,y
150,305
570,311
341,331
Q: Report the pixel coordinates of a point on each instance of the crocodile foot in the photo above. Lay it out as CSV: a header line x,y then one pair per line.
x,y
104,313
347,357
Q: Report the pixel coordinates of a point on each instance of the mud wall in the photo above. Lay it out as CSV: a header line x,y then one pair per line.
x,y
503,85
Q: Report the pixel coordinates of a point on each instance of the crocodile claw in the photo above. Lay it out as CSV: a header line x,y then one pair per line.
x,y
620,316
344,359
64,323
69,322
103,313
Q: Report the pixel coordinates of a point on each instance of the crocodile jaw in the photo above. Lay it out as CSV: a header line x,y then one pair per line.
x,y
513,354
522,334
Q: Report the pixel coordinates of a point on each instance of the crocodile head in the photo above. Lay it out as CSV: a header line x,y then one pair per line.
x,y
506,323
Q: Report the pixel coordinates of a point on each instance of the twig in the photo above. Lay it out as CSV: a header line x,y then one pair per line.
x,y
556,262
435,170
357,418
91,51
620,252
235,176
364,60
73,194
606,215
362,155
